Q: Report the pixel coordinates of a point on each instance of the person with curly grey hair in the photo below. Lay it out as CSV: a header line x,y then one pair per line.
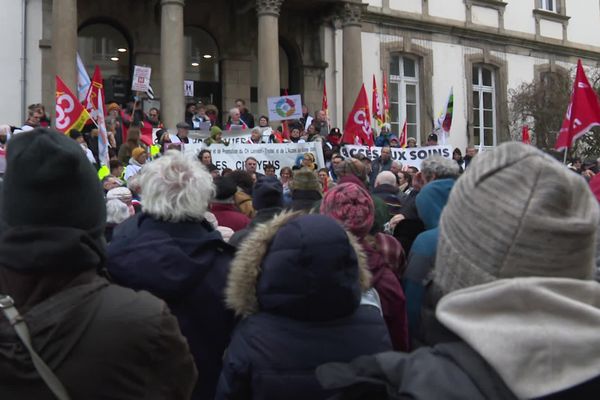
x,y
170,250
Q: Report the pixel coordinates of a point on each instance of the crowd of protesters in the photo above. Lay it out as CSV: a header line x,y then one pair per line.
x,y
471,277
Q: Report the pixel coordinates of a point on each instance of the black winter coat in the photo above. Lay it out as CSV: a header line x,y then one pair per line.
x,y
186,264
302,309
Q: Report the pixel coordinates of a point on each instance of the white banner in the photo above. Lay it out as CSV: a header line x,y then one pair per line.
x,y
188,88
279,154
284,107
410,156
141,78
239,136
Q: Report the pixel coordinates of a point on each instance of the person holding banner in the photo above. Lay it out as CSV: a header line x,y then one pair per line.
x,y
235,120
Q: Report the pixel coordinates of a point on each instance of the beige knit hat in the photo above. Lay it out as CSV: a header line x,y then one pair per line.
x,y
516,212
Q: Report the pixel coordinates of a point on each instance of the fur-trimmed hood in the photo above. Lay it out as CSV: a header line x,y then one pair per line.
x,y
305,267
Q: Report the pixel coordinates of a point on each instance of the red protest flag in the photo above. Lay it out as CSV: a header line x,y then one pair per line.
x,y
358,126
377,112
525,135
404,136
583,112
70,114
386,102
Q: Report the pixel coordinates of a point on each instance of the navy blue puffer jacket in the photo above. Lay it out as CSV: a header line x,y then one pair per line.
x,y
298,282
186,264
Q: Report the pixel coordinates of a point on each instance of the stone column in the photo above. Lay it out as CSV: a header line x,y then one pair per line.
x,y
171,62
268,51
352,54
64,42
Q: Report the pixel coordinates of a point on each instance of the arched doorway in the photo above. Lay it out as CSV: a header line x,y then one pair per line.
x,y
103,44
202,65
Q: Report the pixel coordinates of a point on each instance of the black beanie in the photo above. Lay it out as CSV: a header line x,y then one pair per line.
x,y
226,188
50,182
267,193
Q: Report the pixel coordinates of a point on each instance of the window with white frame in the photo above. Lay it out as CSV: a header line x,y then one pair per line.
x,y
404,95
549,5
484,105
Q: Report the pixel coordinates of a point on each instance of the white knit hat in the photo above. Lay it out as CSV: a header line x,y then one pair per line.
x,y
516,212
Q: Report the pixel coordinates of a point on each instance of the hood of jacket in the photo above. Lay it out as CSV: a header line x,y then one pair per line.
x,y
164,258
305,267
432,199
539,334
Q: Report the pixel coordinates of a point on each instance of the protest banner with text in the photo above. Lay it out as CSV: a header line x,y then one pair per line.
x,y
410,156
278,154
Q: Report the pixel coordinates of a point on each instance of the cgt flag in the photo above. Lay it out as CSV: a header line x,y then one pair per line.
x,y
377,111
386,101
94,104
583,112
70,114
404,136
358,128
525,138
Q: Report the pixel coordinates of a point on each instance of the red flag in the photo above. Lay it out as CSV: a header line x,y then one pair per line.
x,y
525,136
583,112
70,114
386,102
358,126
377,112
324,103
404,136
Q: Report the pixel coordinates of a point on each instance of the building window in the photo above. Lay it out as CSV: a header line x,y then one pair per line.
x,y
484,106
549,5
404,95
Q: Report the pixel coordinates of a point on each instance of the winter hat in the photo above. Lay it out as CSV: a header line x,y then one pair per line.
x,y
516,212
119,193
113,106
226,188
355,167
49,183
267,193
305,179
215,131
352,205
135,153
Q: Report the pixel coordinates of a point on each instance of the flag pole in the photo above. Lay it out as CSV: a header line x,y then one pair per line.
x,y
565,160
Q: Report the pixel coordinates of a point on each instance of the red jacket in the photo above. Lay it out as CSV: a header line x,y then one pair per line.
x,y
228,215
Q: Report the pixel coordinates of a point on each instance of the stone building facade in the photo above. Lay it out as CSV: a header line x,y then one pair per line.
x,y
253,49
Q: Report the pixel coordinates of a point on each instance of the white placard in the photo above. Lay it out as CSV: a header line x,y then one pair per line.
x,y
278,154
410,156
284,107
141,78
188,88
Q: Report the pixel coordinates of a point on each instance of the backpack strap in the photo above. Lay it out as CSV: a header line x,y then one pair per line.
x,y
18,323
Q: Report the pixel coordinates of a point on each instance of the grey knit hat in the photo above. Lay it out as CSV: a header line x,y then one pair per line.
x,y
516,212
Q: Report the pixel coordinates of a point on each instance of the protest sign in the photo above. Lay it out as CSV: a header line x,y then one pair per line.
x,y
278,154
284,107
188,88
141,78
410,156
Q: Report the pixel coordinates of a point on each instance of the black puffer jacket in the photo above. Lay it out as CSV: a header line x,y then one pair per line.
x,y
298,281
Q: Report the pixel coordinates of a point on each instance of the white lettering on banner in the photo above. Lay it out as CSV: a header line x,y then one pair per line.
x,y
410,156
63,120
279,154
239,136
